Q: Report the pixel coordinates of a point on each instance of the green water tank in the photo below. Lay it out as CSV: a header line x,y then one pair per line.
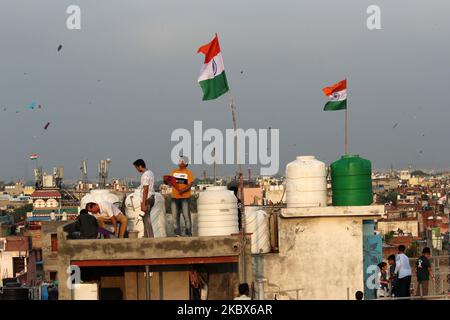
x,y
351,181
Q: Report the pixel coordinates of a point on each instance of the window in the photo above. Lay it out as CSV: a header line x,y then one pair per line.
x,y
54,241
18,265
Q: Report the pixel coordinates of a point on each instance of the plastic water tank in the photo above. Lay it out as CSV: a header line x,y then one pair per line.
x,y
99,195
157,214
85,291
351,181
257,223
306,183
217,212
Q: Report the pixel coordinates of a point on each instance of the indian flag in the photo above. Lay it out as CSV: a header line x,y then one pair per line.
x,y
34,156
337,94
212,79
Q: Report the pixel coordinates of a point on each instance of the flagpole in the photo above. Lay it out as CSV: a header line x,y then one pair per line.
x,y
346,132
240,185
233,115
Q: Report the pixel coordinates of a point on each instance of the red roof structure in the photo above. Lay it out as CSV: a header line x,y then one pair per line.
x,y
45,194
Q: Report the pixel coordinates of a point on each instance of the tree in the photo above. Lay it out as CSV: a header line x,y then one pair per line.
x,y
20,213
419,173
388,196
389,236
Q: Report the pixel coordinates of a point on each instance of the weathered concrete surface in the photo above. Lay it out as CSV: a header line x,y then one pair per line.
x,y
367,212
320,254
408,226
49,258
150,248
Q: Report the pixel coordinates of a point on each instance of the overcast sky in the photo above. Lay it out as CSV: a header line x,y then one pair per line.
x,y
144,54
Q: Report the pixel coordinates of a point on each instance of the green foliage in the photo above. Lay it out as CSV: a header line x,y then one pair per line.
x,y
412,250
419,173
389,236
20,213
388,196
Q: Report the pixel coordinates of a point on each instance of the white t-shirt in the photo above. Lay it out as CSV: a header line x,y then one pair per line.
x,y
402,266
243,297
147,179
108,208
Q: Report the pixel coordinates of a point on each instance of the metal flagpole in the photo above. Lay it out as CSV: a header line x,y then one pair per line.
x,y
346,121
346,132
240,186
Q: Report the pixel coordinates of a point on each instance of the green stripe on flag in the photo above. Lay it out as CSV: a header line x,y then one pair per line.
x,y
335,105
215,87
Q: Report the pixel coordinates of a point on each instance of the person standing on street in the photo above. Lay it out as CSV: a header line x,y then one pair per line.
x,y
403,271
147,195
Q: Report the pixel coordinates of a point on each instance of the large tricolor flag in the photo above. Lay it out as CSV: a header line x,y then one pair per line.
x,y
212,79
337,94
34,156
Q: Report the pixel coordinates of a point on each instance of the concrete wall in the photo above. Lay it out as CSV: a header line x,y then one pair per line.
x,y
320,255
148,248
49,258
408,226
6,263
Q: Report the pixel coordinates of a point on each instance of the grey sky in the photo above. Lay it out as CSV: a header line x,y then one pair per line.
x,y
144,54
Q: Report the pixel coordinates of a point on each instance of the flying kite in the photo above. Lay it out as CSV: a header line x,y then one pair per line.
x,y
32,105
395,125
59,47
46,125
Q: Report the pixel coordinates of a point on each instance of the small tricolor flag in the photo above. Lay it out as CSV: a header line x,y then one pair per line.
x,y
212,78
34,156
337,94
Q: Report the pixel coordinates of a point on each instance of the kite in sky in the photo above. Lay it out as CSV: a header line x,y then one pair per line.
x,y
395,125
46,125
59,47
32,105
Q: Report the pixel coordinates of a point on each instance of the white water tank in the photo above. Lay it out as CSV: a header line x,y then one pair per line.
x,y
217,212
306,183
85,291
99,195
157,214
257,223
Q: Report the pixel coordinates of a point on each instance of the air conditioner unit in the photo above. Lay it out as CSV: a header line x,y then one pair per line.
x,y
2,244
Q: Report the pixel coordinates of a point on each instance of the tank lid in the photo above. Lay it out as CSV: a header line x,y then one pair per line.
x,y
346,156
306,157
216,188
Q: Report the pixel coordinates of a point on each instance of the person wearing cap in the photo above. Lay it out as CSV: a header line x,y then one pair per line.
x,y
181,194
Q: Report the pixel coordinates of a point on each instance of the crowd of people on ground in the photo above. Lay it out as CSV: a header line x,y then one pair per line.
x,y
394,277
92,220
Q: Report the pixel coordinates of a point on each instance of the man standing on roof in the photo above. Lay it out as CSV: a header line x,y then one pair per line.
x,y
109,213
147,195
403,271
181,194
